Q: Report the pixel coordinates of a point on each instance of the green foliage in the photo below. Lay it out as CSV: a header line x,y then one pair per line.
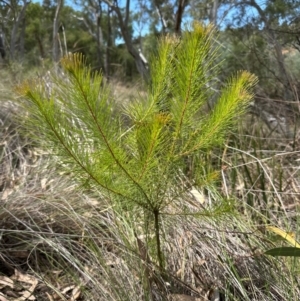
x,y
140,167
293,251
293,64
284,251
246,48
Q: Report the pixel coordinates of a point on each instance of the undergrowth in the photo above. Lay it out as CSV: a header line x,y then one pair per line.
x,y
59,241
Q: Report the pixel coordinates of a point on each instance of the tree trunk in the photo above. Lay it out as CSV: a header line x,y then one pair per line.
x,y
2,46
178,19
214,12
109,45
22,39
14,31
161,17
141,67
55,49
99,38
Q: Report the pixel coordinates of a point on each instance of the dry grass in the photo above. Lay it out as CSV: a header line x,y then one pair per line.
x,y
70,244
125,93
263,171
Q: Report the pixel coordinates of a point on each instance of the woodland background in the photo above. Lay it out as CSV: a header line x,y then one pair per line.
x,y
118,38
260,36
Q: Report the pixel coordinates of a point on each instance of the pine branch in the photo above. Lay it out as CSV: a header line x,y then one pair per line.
x,y
143,166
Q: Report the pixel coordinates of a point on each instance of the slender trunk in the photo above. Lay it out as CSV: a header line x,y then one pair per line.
x,y
214,12
22,39
55,49
2,46
127,13
109,45
178,19
99,39
162,19
14,31
141,67
160,258
40,45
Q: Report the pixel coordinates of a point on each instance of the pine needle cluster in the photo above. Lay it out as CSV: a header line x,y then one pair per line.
x,y
141,165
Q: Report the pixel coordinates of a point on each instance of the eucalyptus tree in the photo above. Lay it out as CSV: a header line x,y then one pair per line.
x,y
123,15
102,25
19,17
56,24
212,11
13,25
170,16
275,22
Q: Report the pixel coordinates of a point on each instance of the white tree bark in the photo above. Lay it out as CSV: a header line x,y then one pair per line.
x,y
123,23
55,46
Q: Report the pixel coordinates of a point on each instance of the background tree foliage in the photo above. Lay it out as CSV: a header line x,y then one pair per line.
x,y
118,37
